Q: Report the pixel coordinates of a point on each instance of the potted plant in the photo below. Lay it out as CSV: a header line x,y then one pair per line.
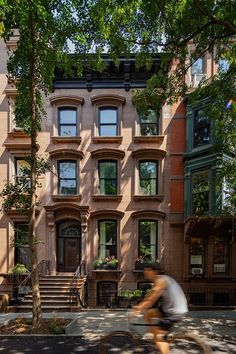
x,y
112,262
97,263
108,263
17,273
142,261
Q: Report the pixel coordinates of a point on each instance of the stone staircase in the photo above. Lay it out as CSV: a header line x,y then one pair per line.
x,y
55,294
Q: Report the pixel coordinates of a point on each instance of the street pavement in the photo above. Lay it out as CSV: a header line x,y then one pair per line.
x,y
217,328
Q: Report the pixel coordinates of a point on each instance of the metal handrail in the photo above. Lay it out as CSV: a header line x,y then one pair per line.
x,y
75,293
25,286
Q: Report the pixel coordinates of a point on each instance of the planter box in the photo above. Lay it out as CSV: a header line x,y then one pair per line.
x,y
106,267
141,266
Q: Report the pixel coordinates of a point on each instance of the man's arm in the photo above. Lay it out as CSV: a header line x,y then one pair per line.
x,y
157,290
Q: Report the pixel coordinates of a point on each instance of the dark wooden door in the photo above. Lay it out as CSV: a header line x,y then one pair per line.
x,y
68,245
71,254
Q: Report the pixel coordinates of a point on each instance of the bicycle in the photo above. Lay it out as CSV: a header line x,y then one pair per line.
x,y
131,341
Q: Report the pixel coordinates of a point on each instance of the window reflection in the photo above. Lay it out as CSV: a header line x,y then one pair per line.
x,y
108,121
107,177
200,192
201,129
67,122
148,177
107,238
67,177
149,123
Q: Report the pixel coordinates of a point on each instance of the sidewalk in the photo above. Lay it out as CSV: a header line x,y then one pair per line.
x,y
218,328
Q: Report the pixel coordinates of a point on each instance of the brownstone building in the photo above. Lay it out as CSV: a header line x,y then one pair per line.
x,y
115,192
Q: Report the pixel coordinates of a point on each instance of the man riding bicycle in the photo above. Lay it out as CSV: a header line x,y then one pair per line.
x,y
173,304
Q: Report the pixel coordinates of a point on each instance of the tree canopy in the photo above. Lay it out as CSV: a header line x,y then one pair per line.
x,y
146,27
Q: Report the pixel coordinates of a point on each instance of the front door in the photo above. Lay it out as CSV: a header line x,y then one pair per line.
x,y
68,246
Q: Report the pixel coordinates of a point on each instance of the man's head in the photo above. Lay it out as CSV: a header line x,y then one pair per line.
x,y
152,270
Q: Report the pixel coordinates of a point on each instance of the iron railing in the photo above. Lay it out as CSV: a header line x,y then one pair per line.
x,y
25,286
78,293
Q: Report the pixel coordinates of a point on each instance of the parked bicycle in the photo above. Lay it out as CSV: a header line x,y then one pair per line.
x,y
132,341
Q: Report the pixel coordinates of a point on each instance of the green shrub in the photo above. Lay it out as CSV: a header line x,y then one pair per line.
x,y
55,327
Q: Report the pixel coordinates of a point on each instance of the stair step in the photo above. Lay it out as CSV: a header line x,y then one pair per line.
x,y
47,302
49,297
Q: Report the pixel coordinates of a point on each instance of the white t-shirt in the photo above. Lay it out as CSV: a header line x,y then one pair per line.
x,y
174,300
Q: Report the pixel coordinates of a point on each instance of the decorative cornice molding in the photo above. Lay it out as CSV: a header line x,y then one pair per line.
x,y
106,152
66,153
149,153
116,214
72,99
148,213
66,205
108,98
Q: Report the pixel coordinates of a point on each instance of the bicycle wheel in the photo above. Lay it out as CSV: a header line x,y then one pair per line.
x,y
120,342
188,343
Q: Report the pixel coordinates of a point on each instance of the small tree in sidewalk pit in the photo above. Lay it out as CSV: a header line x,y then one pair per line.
x,y
44,27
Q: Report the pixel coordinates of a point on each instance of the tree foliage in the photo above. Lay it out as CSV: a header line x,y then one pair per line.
x,y
167,27
44,27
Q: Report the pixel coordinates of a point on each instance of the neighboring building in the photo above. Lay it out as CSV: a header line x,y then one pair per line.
x,y
117,183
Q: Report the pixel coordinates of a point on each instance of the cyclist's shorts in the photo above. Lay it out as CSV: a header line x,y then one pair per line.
x,y
165,323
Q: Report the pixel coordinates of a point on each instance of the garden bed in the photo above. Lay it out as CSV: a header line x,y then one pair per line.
x,y
24,326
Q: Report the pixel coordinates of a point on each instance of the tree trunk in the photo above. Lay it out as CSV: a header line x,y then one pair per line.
x,y
36,302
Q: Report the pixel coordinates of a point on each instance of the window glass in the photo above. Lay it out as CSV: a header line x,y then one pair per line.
x,y
196,255
148,240
67,122
67,177
22,254
108,122
220,254
107,177
107,238
200,192
223,65
198,66
149,123
148,177
23,172
201,129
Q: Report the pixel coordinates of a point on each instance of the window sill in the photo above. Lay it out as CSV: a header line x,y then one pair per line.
x,y
148,197
98,198
107,139
149,139
70,198
66,139
18,134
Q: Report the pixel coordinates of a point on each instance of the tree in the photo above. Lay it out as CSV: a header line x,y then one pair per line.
x,y
44,27
168,27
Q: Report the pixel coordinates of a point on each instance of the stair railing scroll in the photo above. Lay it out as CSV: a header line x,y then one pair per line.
x,y
78,295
